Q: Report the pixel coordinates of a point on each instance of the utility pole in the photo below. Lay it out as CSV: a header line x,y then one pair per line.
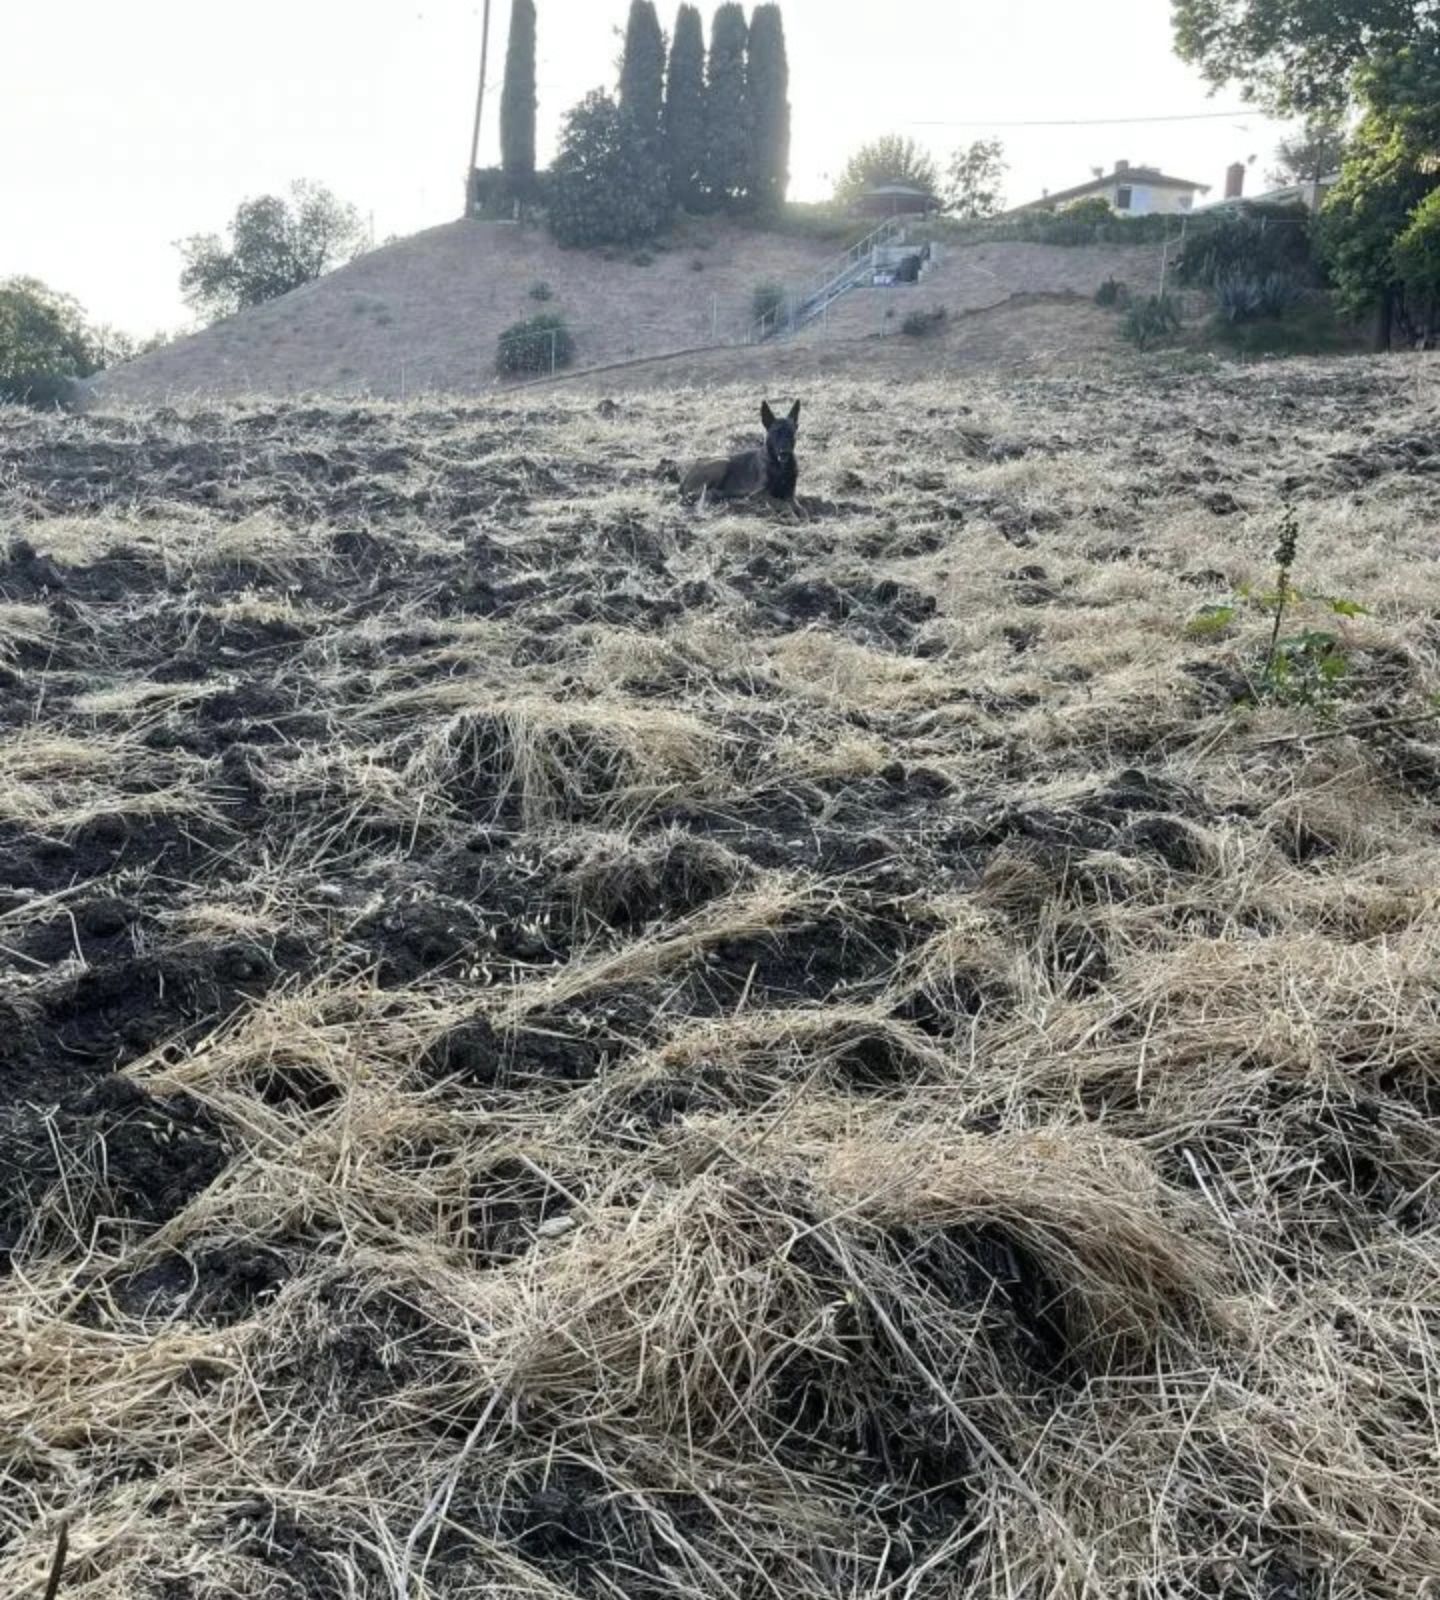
x,y
479,106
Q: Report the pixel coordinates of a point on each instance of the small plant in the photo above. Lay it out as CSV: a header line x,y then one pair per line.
x,y
1247,297
767,301
1150,320
921,324
1112,293
696,264
542,344
1298,668
540,290
642,258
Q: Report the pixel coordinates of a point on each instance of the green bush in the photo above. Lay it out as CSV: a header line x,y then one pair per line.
x,y
1150,320
608,184
542,344
540,290
1248,297
1252,241
1111,293
1059,227
1311,328
1093,210
921,324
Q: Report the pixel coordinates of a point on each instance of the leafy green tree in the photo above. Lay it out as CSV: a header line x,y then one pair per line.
x,y
729,129
685,110
44,342
976,180
606,187
1417,253
1294,55
888,159
642,69
275,246
768,83
1313,153
1375,231
517,101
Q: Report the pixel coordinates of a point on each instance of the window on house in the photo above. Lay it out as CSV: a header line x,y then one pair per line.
x,y
1184,202
1122,197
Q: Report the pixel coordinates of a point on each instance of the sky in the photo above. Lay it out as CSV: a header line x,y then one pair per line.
x,y
126,128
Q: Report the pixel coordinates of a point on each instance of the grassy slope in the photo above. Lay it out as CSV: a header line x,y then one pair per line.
x,y
690,1057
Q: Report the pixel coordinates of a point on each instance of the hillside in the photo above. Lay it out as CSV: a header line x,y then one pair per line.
x,y
424,315
554,1045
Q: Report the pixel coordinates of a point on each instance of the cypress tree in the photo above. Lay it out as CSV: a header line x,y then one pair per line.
x,y
517,101
642,68
727,111
685,109
768,84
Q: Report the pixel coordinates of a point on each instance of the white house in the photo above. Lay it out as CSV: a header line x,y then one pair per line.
x,y
1132,191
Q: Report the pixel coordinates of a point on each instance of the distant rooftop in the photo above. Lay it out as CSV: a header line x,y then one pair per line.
x,y
1123,172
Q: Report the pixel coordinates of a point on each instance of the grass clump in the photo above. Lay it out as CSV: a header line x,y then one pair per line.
x,y
921,324
1150,321
1112,293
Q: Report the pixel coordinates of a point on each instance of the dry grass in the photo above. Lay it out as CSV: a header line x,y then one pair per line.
x,y
673,1057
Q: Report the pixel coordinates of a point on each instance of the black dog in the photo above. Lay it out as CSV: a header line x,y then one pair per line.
x,y
770,470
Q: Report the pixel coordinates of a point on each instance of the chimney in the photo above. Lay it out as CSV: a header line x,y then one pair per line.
x,y
1235,180
1122,166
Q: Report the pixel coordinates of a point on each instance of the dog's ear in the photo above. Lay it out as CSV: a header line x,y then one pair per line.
x,y
767,416
795,413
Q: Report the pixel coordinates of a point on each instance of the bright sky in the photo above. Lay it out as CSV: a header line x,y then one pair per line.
x,y
126,127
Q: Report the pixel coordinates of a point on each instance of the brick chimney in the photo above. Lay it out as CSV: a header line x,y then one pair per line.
x,y
1122,166
1235,180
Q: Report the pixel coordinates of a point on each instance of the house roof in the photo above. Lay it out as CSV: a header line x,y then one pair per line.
x,y
1290,191
895,188
1150,176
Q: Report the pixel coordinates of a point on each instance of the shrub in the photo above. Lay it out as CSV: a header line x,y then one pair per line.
x,y
1150,320
608,184
767,301
540,345
540,290
1244,297
1112,293
1253,241
1095,209
921,324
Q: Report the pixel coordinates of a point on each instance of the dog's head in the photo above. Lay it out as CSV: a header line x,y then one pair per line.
x,y
780,431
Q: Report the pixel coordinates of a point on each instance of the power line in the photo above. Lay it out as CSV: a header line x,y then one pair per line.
x,y
1078,122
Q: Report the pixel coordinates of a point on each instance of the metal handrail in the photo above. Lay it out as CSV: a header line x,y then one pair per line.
x,y
835,274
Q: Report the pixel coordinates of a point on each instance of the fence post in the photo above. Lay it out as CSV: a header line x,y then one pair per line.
x,y
552,352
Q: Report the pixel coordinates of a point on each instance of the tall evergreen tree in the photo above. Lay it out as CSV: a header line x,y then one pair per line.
x,y
642,68
685,109
728,131
768,84
517,100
